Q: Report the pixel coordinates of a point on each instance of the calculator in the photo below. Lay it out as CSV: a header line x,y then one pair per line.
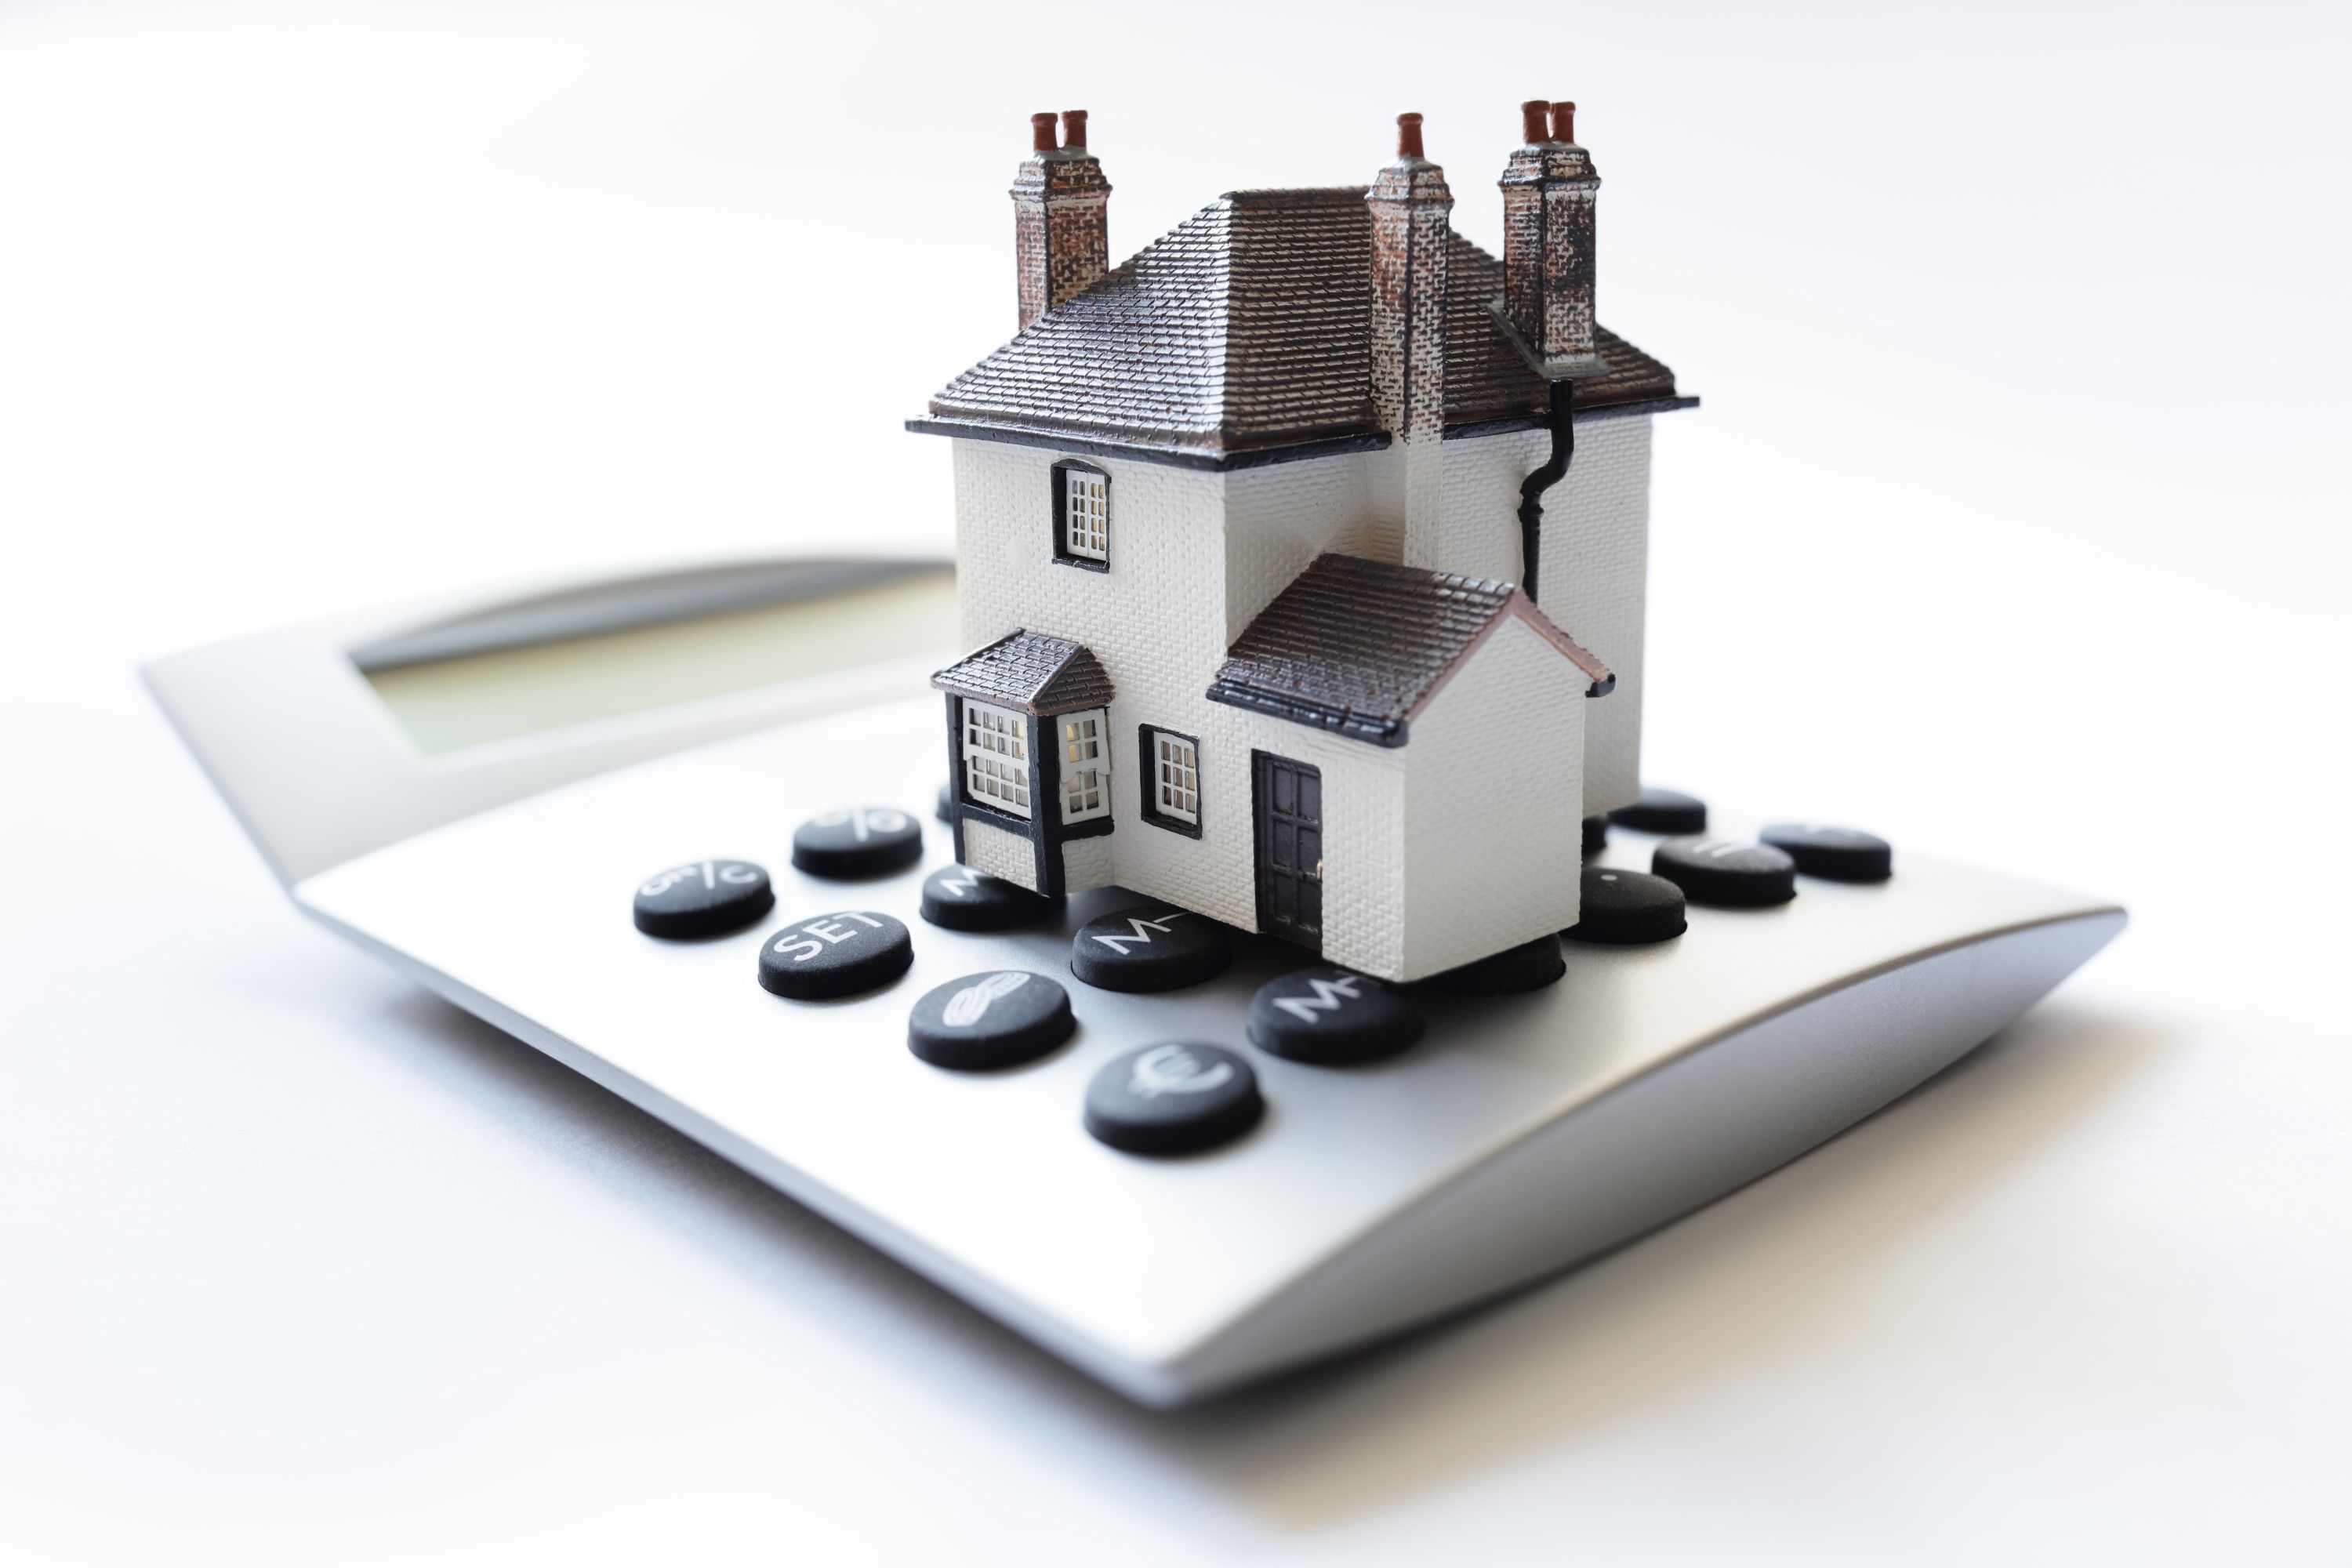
x,y
676,831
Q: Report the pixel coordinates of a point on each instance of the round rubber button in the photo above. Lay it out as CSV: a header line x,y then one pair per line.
x,y
1172,1098
998,1019
861,841
1152,947
1329,1017
706,898
1663,811
834,955
1530,966
961,899
1727,871
1626,907
1596,832
945,809
1833,854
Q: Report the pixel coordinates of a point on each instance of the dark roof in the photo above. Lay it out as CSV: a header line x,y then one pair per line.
x,y
1030,671
1247,330
1360,646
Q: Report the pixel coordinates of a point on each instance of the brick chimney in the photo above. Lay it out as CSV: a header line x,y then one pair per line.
x,y
1410,226
1548,192
1060,210
1409,205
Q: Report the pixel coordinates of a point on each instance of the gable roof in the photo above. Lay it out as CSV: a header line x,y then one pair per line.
x,y
1360,647
1030,671
1245,332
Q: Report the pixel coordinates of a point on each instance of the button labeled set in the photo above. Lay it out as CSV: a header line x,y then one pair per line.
x,y
835,955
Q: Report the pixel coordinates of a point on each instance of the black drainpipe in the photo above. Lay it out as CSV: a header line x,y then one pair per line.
x,y
1561,422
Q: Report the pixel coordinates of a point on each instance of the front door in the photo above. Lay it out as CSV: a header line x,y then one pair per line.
x,y
1289,849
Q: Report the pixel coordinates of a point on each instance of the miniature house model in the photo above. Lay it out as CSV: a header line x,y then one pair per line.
x,y
1288,605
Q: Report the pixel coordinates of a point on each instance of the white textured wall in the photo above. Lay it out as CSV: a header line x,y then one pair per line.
x,y
1157,621
1087,862
992,851
1383,533
1493,845
1280,517
1594,576
1167,557
1475,529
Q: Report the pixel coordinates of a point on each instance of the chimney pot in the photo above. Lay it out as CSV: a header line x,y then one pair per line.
x,y
1409,136
1074,128
1563,121
1535,121
1041,133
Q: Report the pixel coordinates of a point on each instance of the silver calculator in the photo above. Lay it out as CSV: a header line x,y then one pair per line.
x,y
475,792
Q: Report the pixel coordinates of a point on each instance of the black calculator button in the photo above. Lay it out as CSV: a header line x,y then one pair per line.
x,y
1727,871
1833,854
860,841
961,899
994,1020
1172,1098
1152,947
1626,907
1663,811
703,898
834,955
1329,1017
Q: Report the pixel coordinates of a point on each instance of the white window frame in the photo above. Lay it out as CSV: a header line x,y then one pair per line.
x,y
995,756
1180,756
1085,515
1085,740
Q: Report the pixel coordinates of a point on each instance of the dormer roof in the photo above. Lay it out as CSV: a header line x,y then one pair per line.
x,y
1243,335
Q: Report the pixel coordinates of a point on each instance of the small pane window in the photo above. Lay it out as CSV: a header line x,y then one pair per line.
x,y
1175,777
1085,515
996,757
1086,766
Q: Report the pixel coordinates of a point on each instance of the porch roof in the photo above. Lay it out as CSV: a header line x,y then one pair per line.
x,y
1030,671
1360,647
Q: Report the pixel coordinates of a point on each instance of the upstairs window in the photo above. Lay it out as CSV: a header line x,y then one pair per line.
x,y
996,757
1086,766
1082,516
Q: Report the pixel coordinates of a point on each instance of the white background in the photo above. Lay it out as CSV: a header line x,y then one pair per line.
x,y
2013,525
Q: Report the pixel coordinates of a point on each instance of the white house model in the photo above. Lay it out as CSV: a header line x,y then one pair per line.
x,y
1283,611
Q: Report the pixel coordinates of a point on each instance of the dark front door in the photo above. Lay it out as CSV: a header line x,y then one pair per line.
x,y
1289,849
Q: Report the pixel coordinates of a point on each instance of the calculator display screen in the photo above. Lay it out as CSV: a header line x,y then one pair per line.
x,y
505,686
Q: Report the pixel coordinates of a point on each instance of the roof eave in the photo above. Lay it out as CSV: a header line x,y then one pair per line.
x,y
1503,425
1217,459
1342,722
1220,459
